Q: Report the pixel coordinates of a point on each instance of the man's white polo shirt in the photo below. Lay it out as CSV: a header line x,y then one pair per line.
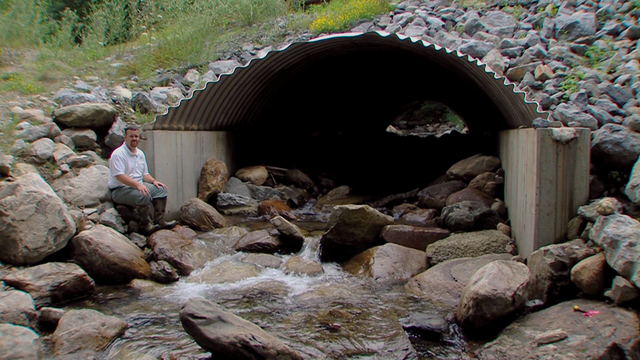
x,y
123,161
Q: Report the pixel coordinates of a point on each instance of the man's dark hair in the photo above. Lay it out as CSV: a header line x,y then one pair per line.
x,y
131,127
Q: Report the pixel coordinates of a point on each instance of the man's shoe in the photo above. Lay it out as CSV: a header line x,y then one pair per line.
x,y
159,206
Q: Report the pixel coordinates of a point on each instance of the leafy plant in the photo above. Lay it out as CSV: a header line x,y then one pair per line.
x,y
20,83
596,55
570,83
340,14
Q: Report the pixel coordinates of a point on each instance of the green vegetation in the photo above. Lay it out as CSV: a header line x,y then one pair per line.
x,y
338,15
570,83
596,56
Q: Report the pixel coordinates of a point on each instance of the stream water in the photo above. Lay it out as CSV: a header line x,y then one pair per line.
x,y
334,315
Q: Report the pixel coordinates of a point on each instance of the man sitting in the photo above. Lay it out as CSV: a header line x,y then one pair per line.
x,y
131,184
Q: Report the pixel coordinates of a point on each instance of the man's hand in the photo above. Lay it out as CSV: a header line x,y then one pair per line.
x,y
143,190
158,184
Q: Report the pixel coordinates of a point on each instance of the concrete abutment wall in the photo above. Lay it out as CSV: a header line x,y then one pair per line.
x,y
546,174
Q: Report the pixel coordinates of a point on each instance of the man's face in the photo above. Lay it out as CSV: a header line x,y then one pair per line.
x,y
131,138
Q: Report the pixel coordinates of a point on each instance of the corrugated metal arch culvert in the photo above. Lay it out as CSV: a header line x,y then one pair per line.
x,y
320,80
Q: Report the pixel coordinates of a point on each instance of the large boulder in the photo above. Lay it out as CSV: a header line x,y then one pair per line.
x,y
469,168
616,146
229,336
108,256
256,175
87,189
52,284
351,230
180,252
17,308
201,216
435,196
413,236
289,232
494,292
92,116
19,342
619,236
443,283
611,334
590,274
260,241
632,190
467,245
213,179
622,291
84,332
551,270
388,264
469,216
34,223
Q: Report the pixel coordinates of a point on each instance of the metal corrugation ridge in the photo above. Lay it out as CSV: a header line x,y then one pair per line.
x,y
238,98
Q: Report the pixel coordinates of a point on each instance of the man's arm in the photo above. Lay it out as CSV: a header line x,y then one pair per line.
x,y
128,181
148,178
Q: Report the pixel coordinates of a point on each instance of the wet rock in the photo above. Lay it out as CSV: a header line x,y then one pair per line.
x,y
222,240
87,189
228,335
469,216
412,236
19,342
162,272
469,168
610,334
425,325
275,208
201,216
34,222
260,241
262,193
180,252
616,146
17,308
237,187
224,272
92,116
589,274
435,196
85,332
301,180
388,264
619,236
301,266
337,196
419,217
52,283
470,194
289,232
185,232
108,256
493,293
622,291
256,175
551,270
213,179
467,245
351,230
263,260
442,284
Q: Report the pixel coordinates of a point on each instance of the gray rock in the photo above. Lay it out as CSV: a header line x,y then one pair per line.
x,y
616,146
260,241
610,334
470,244
78,161
225,272
143,103
589,274
19,342
443,284
229,336
34,222
517,73
414,237
622,291
351,230
473,166
262,193
551,270
425,325
115,136
301,266
67,97
108,256
388,264
236,186
569,113
32,133
162,272
87,189
17,308
435,196
191,78
82,138
495,61
494,292
262,260
574,26
111,218
513,52
473,25
596,208
184,254
299,179
609,107
499,23
289,232
93,116
469,216
619,236
41,150
599,114
52,284
200,215
223,66
85,332
620,95
632,122
226,200
477,49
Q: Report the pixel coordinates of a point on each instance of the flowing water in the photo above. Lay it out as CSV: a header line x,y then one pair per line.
x,y
334,315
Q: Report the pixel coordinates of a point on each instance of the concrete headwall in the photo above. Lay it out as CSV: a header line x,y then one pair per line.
x,y
546,180
176,158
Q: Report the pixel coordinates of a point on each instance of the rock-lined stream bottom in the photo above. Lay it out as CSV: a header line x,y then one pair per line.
x,y
334,315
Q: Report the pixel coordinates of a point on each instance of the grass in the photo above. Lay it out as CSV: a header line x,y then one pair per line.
x,y
338,15
596,55
570,83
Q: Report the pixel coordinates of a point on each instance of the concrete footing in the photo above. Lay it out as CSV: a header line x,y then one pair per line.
x,y
546,180
176,159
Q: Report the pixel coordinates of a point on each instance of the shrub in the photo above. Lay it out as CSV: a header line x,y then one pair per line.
x,y
340,14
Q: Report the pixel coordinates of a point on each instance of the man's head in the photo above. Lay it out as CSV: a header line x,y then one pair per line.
x,y
131,137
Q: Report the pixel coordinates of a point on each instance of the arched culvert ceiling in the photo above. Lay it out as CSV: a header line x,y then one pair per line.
x,y
348,82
